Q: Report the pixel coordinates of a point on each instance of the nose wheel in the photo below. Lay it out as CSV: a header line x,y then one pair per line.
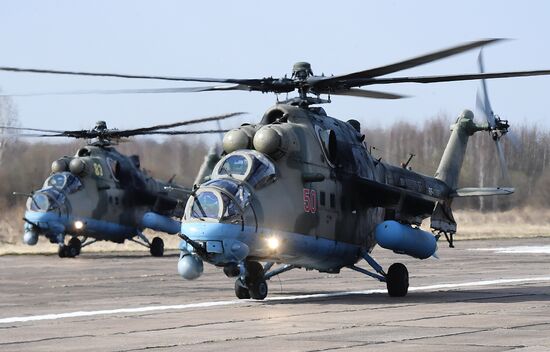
x,y
241,291
70,250
253,285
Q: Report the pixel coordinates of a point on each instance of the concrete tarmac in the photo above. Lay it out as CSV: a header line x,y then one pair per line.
x,y
480,296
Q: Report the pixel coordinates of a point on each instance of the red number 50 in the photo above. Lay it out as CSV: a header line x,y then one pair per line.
x,y
310,200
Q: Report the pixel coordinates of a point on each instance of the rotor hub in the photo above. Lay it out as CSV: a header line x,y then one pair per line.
x,y
302,70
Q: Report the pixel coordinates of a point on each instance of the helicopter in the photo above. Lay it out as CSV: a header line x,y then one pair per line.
x,y
101,194
302,189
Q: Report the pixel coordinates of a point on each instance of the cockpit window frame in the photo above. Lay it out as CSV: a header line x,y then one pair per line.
x,y
240,177
220,192
57,200
191,204
328,158
252,157
68,188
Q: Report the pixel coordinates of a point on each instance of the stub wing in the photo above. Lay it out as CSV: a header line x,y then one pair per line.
x,y
482,192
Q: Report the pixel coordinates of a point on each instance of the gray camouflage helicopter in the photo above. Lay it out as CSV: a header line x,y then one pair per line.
x,y
101,194
302,189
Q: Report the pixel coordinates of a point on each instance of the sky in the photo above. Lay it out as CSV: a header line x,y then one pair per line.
x,y
253,39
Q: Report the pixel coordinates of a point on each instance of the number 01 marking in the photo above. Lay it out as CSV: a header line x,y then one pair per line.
x,y
310,200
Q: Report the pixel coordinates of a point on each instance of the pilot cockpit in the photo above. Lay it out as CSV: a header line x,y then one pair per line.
x,y
63,181
53,194
47,199
227,196
247,165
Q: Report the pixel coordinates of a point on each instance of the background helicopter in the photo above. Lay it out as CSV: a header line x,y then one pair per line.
x,y
302,189
101,194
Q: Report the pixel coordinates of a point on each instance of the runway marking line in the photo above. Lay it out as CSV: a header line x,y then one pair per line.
x,y
436,287
515,250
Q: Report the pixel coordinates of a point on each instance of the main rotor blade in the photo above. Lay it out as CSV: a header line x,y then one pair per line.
x,y
135,91
16,135
123,75
122,133
449,78
363,93
28,129
402,65
126,133
269,84
174,133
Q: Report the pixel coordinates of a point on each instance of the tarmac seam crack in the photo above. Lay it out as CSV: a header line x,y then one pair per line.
x,y
44,339
205,342
356,310
353,326
407,340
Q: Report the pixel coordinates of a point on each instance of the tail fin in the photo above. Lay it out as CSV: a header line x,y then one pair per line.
x,y
207,166
453,156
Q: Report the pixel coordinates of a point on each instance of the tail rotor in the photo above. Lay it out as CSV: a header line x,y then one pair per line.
x,y
498,127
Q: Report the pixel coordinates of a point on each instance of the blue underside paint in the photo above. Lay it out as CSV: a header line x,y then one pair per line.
x,y
52,224
160,223
297,249
404,239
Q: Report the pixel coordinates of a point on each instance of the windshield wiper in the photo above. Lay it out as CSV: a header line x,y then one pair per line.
x,y
198,203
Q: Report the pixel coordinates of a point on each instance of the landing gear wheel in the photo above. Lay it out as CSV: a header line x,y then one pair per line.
x,y
255,281
254,270
240,290
157,247
62,251
258,289
397,280
73,248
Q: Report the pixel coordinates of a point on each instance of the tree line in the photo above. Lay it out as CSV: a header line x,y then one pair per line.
x,y
25,164
526,149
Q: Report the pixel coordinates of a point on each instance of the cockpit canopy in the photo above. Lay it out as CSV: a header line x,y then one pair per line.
x,y
47,199
53,194
63,181
220,199
227,196
246,165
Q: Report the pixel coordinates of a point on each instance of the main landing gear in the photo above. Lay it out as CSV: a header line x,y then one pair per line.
x,y
252,278
73,247
70,250
156,246
396,279
253,283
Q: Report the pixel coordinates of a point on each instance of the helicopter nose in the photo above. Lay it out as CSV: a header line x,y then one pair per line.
x,y
50,222
223,243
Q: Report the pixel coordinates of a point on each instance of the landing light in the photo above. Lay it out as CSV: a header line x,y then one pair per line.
x,y
273,243
79,225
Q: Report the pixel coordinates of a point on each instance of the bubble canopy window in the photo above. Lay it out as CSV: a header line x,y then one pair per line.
x,y
246,165
47,199
63,181
218,199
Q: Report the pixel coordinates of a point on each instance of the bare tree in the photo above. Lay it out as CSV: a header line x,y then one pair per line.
x,y
8,117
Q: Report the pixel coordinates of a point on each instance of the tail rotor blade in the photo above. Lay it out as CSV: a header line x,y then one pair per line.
x,y
483,98
502,163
